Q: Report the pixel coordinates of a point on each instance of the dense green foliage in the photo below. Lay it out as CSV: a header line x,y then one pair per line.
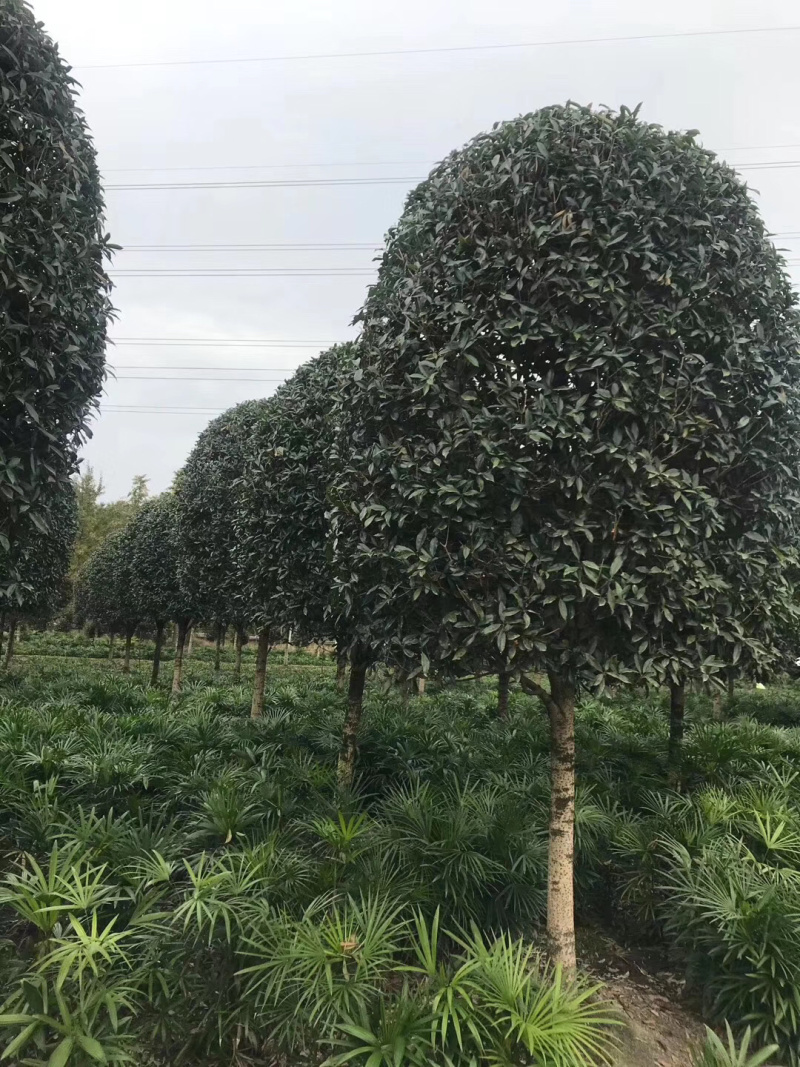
x,y
574,425
41,561
282,545
105,594
151,550
98,519
54,304
207,495
198,872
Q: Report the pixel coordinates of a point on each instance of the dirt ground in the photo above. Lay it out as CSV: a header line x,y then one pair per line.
x,y
661,1029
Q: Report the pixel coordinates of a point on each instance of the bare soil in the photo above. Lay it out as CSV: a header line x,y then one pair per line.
x,y
662,1027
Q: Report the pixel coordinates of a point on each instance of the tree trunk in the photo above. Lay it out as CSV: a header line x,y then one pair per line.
x,y
189,644
126,662
503,685
237,665
341,671
421,682
157,653
110,646
286,649
560,873
731,681
677,710
12,633
218,649
716,705
261,674
2,631
355,703
180,651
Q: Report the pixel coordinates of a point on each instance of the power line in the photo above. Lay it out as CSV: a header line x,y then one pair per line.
x,y
245,272
254,248
441,49
286,183
160,366
296,166
167,378
219,342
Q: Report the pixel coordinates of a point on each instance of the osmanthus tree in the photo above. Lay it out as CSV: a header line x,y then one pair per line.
x,y
574,420
281,547
107,594
55,304
151,546
41,568
206,503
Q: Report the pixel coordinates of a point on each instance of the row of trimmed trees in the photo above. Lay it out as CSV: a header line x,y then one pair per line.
x,y
566,444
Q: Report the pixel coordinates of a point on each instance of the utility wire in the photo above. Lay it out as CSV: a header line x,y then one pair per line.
x,y
245,272
442,49
276,183
253,248
226,342
167,378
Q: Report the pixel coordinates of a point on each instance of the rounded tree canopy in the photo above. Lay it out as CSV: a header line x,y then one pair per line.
x,y
575,423
106,593
206,498
55,304
282,543
41,562
151,550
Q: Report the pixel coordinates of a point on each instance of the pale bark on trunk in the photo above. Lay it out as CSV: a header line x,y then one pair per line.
x,y
180,651
110,646
12,635
126,662
260,681
355,703
188,644
237,663
560,874
218,649
157,653
503,686
716,705
421,681
286,649
677,711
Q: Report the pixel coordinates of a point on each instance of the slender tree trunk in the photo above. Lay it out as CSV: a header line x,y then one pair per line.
x,y
286,649
189,642
218,649
180,651
237,665
110,646
503,685
157,653
2,631
716,705
126,662
12,634
260,680
677,710
731,683
421,681
341,670
355,704
560,873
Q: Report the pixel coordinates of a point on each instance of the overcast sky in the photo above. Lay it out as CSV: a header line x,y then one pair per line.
x,y
357,117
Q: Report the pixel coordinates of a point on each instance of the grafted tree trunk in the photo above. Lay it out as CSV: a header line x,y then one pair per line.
x,y
560,873
237,664
503,686
157,653
126,662
12,635
111,646
355,703
260,680
218,648
341,670
677,711
180,652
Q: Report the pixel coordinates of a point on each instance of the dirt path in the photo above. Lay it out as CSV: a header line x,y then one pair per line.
x,y
662,1030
